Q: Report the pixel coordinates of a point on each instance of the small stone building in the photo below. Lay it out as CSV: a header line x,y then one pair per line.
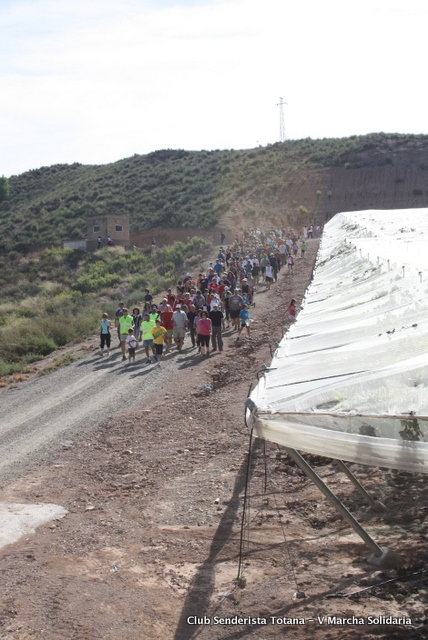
x,y
115,226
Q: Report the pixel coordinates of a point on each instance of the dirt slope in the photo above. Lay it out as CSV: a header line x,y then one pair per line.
x,y
154,493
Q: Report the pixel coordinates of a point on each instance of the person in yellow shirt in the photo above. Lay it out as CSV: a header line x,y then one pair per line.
x,y
125,322
158,333
146,329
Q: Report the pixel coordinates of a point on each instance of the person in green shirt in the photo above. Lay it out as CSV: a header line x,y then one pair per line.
x,y
146,330
125,323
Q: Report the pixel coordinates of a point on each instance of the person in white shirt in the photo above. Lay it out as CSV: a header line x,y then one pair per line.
x,y
268,275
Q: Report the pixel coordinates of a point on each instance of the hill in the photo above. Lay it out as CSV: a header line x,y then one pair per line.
x,y
292,183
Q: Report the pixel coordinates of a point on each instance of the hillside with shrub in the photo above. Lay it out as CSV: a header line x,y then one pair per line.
x,y
51,296
291,183
54,297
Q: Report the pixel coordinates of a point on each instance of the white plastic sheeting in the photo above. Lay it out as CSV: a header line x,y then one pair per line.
x,y
350,378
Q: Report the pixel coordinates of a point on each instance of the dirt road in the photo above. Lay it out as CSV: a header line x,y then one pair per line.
x,y
152,472
40,416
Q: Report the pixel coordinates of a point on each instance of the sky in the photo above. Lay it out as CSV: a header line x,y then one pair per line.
x,y
95,81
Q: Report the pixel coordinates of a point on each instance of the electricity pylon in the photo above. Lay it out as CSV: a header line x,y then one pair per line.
x,y
281,104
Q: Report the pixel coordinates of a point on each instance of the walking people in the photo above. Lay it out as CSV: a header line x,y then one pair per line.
x,y
158,333
117,315
292,311
146,328
125,323
268,275
105,335
235,305
244,321
191,315
166,317
217,320
225,298
255,272
137,322
204,332
131,343
179,319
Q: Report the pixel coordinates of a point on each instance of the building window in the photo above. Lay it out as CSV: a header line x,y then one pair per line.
x,y
96,228
118,227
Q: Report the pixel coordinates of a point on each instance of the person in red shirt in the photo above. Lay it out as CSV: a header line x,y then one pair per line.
x,y
220,288
170,297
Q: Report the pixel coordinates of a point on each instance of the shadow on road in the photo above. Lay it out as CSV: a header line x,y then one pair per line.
x,y
198,598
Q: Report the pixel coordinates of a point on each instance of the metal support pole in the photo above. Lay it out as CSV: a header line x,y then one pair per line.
x,y
375,504
244,508
377,551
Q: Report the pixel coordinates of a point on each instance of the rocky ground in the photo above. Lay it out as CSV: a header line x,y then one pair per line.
x,y
151,546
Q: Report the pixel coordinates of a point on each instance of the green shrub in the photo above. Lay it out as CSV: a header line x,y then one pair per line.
x,y
41,346
137,282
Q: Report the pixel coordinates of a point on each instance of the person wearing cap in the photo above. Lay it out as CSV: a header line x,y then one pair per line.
x,y
217,320
158,333
245,295
163,305
179,319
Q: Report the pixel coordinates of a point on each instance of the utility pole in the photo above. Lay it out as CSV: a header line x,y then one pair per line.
x,y
281,104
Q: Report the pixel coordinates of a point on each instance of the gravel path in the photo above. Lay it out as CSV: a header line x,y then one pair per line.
x,y
41,416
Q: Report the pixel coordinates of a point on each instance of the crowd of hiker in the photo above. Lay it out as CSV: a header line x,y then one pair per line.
x,y
215,300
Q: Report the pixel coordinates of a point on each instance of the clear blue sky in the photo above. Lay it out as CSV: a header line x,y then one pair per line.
x,y
94,81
